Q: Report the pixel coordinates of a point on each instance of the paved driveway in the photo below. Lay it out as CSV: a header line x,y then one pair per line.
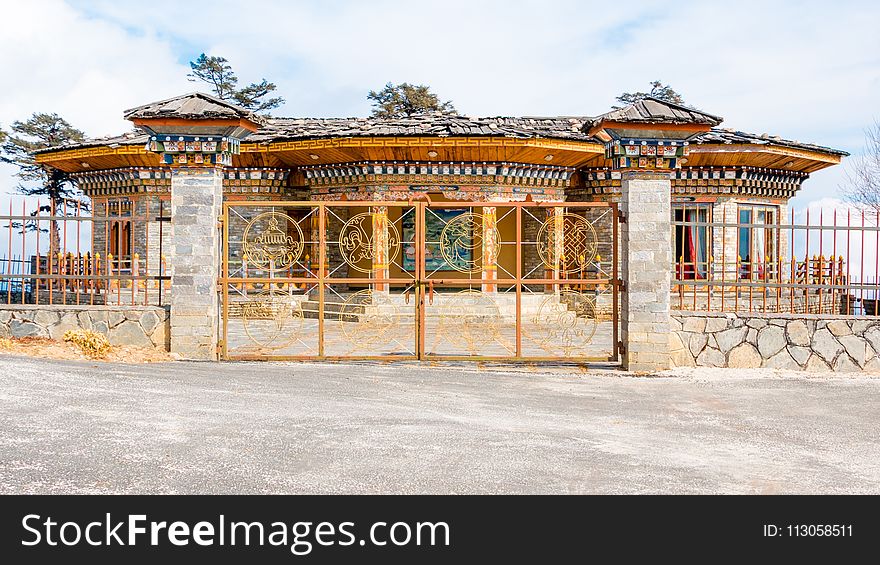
x,y
69,427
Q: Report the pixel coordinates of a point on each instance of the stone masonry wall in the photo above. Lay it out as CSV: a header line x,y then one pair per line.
x,y
776,341
140,326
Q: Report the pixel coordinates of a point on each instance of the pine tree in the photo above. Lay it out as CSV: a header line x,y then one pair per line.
x,y
41,131
658,90
405,100
217,72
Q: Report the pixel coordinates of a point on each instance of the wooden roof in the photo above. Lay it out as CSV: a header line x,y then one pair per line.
x,y
192,106
651,110
303,141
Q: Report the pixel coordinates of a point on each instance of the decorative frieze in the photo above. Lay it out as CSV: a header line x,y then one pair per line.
x,y
647,154
746,181
158,180
194,151
476,193
412,173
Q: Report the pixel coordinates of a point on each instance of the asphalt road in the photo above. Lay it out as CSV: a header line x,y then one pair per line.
x,y
73,427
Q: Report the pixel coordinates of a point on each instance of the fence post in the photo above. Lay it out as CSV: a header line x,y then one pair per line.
x,y
646,255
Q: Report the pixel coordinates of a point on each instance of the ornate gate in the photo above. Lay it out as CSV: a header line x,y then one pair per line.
x,y
420,280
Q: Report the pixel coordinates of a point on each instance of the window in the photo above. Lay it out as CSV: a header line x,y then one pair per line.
x,y
757,246
691,240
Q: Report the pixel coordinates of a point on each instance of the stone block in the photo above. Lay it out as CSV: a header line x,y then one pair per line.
x,y
149,320
728,339
69,321
711,358
800,354
756,323
697,342
744,356
114,318
782,360
129,332
839,328
771,340
844,364
826,346
24,328
5,316
799,334
715,324
694,324
45,318
817,365
857,348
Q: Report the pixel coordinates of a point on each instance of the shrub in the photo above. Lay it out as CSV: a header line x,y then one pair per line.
x,y
93,344
5,343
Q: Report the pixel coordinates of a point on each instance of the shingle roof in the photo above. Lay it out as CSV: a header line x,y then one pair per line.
x,y
433,124
192,106
651,110
446,125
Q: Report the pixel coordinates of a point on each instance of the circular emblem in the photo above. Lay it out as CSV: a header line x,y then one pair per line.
x,y
273,319
566,321
470,320
567,242
362,241
460,239
368,317
273,241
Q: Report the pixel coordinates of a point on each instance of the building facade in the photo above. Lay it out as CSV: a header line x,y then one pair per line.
x,y
590,218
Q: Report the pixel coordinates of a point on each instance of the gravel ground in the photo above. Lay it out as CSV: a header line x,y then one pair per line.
x,y
85,427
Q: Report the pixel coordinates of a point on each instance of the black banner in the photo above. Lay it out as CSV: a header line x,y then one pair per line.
x,y
433,529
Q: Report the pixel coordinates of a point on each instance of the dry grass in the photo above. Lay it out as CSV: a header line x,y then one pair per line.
x,y
93,344
50,349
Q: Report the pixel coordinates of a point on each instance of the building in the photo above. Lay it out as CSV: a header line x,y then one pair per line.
x,y
438,226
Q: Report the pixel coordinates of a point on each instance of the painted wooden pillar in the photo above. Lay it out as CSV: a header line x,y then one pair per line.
x,y
490,248
380,246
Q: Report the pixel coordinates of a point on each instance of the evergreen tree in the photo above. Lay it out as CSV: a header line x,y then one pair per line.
x,y
405,100
658,90
217,72
41,131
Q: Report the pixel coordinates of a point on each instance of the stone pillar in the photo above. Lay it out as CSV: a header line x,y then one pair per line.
x,y
196,205
380,246
490,248
646,266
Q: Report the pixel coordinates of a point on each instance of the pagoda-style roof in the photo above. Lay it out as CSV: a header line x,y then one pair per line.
x,y
192,106
572,141
650,110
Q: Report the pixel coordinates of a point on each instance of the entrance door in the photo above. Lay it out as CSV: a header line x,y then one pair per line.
x,y
425,280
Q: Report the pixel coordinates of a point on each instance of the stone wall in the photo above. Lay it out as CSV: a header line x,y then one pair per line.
x,y
141,326
776,341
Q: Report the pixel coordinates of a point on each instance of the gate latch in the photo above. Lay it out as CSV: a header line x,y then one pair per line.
x,y
621,285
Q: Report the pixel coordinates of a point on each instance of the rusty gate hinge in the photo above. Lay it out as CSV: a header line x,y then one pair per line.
x,y
621,217
621,285
621,348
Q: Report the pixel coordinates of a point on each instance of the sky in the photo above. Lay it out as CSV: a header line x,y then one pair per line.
x,y
808,71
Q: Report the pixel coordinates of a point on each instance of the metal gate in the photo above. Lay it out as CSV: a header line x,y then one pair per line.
x,y
420,280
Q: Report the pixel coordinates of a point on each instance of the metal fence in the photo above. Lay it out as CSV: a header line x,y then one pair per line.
x,y
65,254
817,262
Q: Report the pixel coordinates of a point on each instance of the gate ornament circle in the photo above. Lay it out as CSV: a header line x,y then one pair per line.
x,y
568,242
267,242
273,319
470,320
460,239
357,242
368,317
566,321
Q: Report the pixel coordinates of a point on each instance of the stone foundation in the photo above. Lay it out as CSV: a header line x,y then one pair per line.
x,y
775,341
140,326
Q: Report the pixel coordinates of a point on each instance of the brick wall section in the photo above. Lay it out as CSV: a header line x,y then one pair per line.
x,y
646,254
140,326
196,205
777,341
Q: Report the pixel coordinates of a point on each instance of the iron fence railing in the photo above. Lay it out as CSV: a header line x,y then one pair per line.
x,y
823,262
65,254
